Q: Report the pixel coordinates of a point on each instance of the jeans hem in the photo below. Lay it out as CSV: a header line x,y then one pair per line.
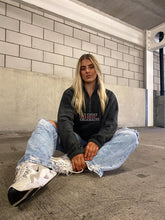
x,y
34,160
94,168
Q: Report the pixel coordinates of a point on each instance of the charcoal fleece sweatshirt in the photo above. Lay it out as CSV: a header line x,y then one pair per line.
x,y
92,126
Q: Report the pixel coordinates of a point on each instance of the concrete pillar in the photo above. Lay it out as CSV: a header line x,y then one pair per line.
x,y
153,43
149,88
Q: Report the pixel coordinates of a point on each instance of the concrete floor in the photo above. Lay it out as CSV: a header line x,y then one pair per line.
x,y
136,191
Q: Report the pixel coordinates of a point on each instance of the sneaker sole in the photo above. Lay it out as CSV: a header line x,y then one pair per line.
x,y
23,198
27,195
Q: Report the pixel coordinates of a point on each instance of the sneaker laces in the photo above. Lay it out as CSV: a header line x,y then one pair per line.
x,y
63,165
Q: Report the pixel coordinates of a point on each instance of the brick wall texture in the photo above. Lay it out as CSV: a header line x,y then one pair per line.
x,y
156,71
34,40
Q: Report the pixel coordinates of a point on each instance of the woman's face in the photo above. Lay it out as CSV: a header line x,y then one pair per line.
x,y
87,71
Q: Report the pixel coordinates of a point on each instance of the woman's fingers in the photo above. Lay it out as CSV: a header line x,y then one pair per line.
x,y
78,162
91,150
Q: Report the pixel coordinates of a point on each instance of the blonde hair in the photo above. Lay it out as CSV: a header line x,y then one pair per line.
x,y
78,100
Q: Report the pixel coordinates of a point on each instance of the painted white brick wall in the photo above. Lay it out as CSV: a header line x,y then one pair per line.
x,y
34,40
43,22
116,71
2,34
116,55
97,40
156,70
122,64
141,54
99,58
70,62
139,76
18,63
122,81
110,79
8,48
31,30
53,58
105,69
42,44
122,48
128,58
2,8
110,61
17,38
104,51
110,44
78,53
53,36
63,50
139,61
9,23
82,35
134,52
128,74
42,67
2,64
141,69
18,13
30,53
63,29
133,67
63,71
72,42
89,47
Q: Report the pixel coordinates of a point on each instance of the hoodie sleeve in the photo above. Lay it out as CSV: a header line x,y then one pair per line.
x,y
65,125
108,123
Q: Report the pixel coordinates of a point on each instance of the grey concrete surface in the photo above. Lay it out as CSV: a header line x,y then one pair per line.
x,y
136,191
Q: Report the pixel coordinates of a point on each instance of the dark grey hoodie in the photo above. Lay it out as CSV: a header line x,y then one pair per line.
x,y
93,126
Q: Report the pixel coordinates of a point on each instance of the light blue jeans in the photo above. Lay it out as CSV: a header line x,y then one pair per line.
x,y
45,141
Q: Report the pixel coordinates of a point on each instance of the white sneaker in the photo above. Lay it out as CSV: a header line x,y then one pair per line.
x,y
63,165
30,177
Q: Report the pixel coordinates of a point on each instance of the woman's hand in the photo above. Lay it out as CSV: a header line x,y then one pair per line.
x,y
78,162
91,150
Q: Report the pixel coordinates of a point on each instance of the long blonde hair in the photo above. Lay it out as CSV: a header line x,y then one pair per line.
x,y
78,100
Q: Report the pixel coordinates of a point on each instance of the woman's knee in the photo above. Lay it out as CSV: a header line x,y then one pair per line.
x,y
129,134
132,136
44,123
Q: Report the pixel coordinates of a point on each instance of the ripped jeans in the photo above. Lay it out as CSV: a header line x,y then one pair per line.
x,y
45,141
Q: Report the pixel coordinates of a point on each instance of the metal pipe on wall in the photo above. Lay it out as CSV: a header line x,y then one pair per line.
x,y
161,59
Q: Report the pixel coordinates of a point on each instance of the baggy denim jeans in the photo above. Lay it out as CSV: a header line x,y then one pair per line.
x,y
44,141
